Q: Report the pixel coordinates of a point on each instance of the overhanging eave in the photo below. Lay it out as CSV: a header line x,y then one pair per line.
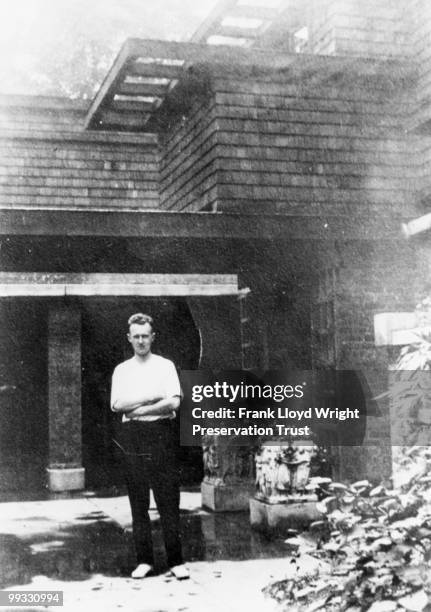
x,y
128,224
146,73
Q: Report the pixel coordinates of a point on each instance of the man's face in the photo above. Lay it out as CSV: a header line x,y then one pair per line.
x,y
141,338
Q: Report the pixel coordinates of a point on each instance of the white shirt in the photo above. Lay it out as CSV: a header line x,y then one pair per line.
x,y
151,380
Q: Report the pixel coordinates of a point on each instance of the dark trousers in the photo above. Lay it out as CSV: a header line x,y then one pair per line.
x,y
148,452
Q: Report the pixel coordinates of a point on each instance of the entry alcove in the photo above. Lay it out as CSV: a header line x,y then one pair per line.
x,y
23,397
104,345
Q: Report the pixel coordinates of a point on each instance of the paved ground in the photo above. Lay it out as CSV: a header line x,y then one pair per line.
x,y
83,546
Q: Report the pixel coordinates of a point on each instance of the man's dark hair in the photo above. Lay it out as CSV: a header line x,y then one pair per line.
x,y
141,319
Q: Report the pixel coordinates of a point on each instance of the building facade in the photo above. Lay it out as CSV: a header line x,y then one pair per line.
x,y
249,195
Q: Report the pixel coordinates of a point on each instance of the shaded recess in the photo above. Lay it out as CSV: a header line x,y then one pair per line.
x,y
104,345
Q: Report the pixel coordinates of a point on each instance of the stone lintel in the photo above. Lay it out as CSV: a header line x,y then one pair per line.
x,y
51,284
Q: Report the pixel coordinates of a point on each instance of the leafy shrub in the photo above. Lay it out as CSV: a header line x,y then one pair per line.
x,y
371,550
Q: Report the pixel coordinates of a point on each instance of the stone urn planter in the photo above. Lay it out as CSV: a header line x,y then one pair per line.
x,y
283,499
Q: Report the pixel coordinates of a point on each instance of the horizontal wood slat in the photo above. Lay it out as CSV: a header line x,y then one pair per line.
x,y
202,225
154,70
130,106
129,120
142,89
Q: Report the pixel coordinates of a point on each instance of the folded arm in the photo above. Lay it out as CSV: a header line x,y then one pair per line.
x,y
137,400
128,405
161,407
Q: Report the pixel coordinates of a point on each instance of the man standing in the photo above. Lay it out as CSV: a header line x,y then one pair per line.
x,y
146,390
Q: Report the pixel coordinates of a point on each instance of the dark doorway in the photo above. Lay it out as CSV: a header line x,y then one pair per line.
x,y
104,345
23,395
